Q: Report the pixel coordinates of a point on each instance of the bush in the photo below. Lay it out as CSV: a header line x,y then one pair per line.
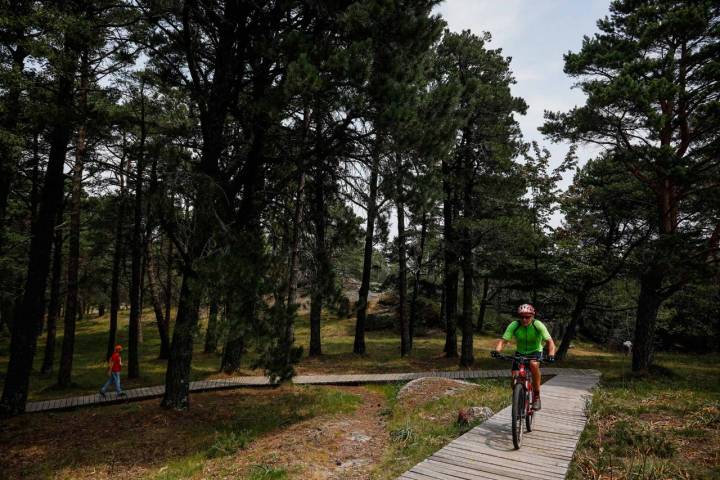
x,y
389,299
375,322
626,435
344,308
428,313
227,443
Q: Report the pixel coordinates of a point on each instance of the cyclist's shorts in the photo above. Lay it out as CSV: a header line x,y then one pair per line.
x,y
516,365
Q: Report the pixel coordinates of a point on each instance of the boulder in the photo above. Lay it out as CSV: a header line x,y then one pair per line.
x,y
474,414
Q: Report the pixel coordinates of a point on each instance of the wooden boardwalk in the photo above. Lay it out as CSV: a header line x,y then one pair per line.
x,y
145,393
486,452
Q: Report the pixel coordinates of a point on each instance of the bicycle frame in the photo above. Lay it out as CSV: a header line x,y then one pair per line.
x,y
522,397
524,377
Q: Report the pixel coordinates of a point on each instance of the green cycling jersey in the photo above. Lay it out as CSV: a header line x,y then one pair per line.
x,y
529,339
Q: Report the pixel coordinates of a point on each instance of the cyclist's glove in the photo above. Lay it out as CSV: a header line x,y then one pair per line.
x,y
551,359
494,354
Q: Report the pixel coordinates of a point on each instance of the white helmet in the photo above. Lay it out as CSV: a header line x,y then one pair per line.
x,y
526,309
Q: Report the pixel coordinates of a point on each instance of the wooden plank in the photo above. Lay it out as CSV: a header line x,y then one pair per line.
x,y
527,455
521,462
415,476
484,470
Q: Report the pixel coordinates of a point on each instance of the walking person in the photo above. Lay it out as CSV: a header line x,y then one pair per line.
x,y
114,367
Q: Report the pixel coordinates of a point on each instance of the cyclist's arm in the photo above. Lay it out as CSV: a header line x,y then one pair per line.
x,y
500,344
547,338
551,347
507,336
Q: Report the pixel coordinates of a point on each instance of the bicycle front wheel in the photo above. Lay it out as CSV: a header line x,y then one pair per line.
x,y
518,412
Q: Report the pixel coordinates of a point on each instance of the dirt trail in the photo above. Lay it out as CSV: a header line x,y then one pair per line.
x,y
329,448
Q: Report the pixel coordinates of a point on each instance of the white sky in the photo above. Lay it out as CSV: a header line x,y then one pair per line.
x,y
535,34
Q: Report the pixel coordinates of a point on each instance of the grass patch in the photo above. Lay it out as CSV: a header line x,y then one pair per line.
x,y
266,472
664,425
182,468
416,431
148,442
229,443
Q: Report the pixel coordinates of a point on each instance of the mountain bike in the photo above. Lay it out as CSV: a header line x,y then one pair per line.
x,y
522,398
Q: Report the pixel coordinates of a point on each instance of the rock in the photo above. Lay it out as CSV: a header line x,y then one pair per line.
x,y
431,388
474,414
354,463
359,437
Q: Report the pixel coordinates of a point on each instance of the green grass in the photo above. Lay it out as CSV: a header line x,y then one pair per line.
x,y
265,472
665,425
417,431
256,420
89,366
162,444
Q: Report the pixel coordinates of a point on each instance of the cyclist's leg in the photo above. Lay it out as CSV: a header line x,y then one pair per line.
x,y
514,371
535,369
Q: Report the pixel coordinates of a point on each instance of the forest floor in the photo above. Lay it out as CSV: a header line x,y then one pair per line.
x,y
663,426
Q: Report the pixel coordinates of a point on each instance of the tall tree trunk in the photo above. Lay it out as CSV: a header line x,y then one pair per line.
x,y
649,303
72,301
359,344
118,260
53,312
211,334
483,304
322,274
297,220
34,192
137,251
575,317
151,271
251,251
289,334
450,267
177,375
214,103
416,283
235,343
466,355
168,284
405,345
9,154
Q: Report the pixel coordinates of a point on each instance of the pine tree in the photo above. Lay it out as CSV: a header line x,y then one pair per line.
x,y
650,78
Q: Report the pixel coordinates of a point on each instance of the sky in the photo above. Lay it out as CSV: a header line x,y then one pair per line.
x,y
535,34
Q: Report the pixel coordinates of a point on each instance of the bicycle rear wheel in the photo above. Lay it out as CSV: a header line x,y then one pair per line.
x,y
518,411
530,416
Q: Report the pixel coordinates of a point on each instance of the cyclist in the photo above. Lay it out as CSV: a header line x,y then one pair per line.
x,y
530,334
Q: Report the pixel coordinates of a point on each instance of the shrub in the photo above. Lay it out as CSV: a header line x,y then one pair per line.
x,y
626,436
227,443
376,321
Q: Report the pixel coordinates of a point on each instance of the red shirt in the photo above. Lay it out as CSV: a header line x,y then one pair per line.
x,y
115,359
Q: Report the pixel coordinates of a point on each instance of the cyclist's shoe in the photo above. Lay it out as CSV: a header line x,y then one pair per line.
x,y
536,403
102,394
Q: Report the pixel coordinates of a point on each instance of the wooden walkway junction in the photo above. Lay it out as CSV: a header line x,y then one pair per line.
x,y
145,393
486,452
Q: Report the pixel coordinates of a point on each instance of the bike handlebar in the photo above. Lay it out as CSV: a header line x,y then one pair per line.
x,y
519,358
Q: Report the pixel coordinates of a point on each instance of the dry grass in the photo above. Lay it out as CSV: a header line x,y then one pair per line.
x,y
142,440
666,426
